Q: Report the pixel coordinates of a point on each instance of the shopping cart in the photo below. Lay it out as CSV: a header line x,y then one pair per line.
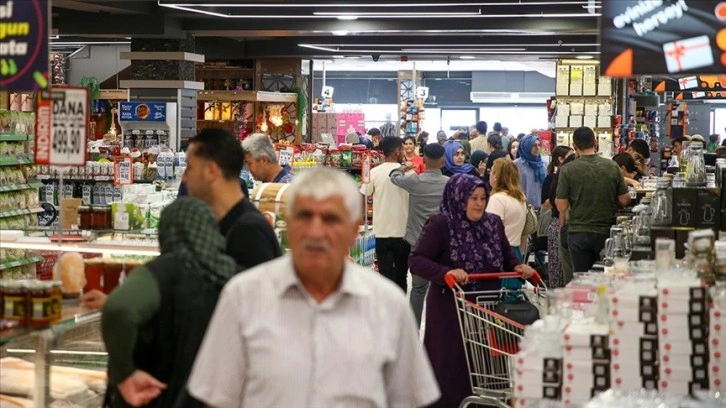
x,y
490,339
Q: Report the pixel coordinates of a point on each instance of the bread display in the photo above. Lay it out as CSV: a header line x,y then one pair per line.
x,y
69,386
70,269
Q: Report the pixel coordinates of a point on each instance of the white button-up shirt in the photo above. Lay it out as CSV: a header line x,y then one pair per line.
x,y
270,344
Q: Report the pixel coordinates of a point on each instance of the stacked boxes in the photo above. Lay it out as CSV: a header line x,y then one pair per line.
x,y
536,378
586,361
717,346
634,339
684,348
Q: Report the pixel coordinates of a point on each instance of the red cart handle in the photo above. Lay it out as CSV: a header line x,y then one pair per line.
x,y
451,280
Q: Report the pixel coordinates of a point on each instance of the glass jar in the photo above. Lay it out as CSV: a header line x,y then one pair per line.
x,y
679,181
40,304
101,217
56,296
696,166
662,203
685,153
86,217
15,294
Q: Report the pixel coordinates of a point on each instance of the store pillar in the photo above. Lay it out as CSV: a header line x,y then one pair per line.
x,y
162,70
407,83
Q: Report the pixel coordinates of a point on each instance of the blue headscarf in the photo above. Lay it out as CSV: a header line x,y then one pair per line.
x,y
451,147
525,153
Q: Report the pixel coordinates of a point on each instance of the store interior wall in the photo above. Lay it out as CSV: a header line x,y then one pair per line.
x,y
99,61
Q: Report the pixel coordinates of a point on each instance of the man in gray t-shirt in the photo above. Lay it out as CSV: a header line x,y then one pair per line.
x,y
425,191
591,187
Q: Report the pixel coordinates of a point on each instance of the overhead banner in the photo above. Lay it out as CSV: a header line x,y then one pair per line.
x,y
691,83
656,37
61,127
23,45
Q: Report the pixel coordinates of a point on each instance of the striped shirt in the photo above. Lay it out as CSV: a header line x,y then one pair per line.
x,y
270,344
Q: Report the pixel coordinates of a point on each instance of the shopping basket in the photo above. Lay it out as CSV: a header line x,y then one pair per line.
x,y
490,339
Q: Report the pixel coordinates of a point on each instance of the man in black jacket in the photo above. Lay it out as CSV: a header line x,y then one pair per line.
x,y
214,162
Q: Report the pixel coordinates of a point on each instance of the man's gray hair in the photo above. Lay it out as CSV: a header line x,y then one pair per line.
x,y
259,145
322,183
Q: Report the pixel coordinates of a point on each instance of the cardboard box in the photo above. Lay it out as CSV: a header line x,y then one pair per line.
x,y
685,207
709,208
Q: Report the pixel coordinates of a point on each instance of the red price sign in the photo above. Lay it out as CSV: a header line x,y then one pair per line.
x,y
61,127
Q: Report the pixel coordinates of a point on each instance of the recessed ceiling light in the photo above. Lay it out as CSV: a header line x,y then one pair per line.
x,y
347,18
584,57
467,57
340,32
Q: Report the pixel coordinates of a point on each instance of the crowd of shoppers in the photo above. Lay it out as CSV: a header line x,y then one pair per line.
x,y
209,322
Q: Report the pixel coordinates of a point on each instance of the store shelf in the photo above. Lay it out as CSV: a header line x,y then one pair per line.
x,y
14,161
14,138
20,187
247,96
70,316
96,247
24,211
14,263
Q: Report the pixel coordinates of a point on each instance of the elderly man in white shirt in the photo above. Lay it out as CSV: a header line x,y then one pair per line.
x,y
312,329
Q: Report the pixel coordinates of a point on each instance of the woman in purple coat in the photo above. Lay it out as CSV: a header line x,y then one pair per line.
x,y
461,240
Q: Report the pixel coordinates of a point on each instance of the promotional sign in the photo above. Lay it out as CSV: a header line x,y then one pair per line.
x,y
61,127
285,155
123,171
693,87
23,45
142,112
327,92
663,37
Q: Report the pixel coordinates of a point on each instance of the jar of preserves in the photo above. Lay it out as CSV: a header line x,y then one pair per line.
x,y
86,217
101,218
56,296
15,301
40,304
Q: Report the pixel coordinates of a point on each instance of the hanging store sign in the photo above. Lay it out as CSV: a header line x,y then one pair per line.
x,y
61,127
663,37
422,92
23,45
327,92
285,156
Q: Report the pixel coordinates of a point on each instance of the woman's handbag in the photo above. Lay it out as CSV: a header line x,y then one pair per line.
x,y
530,225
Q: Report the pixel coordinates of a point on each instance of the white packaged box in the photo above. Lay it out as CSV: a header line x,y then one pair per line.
x,y
605,87
561,121
575,121
604,122
580,334
589,121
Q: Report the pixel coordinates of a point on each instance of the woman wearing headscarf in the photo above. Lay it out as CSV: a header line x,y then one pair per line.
x,y
531,169
455,160
479,162
154,323
422,140
460,240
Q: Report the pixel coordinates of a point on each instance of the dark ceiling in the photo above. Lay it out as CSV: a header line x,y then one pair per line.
x,y
416,29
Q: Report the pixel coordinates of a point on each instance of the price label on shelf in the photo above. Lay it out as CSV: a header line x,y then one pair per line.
x,y
61,127
123,171
366,169
285,155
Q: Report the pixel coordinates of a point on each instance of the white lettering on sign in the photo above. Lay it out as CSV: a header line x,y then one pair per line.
x,y
69,126
42,135
634,14
124,171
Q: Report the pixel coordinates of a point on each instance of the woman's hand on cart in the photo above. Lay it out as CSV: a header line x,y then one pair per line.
x,y
526,271
459,275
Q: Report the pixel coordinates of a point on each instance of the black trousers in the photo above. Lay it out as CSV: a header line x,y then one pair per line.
x,y
392,255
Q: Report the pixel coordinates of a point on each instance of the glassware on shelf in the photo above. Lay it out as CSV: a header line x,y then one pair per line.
x,y
695,166
679,181
662,203
685,154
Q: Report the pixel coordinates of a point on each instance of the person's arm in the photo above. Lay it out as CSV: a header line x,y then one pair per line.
x,y
223,346
623,194
562,200
632,182
128,308
401,180
409,378
431,245
252,242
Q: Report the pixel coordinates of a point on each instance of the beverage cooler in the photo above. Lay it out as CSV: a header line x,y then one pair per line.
x,y
148,125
